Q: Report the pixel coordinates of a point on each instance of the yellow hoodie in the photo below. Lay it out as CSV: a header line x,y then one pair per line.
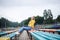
x,y
31,23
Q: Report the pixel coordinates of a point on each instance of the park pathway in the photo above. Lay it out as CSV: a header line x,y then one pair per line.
x,y
24,36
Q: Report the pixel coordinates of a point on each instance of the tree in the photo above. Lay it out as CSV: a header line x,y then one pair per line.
x,y
3,22
45,14
25,22
58,18
39,20
6,23
48,17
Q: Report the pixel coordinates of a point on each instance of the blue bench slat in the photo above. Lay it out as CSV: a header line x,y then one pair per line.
x,y
2,33
51,35
46,37
54,35
36,37
58,31
11,35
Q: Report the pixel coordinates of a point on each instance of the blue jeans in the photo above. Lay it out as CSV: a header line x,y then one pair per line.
x,y
24,28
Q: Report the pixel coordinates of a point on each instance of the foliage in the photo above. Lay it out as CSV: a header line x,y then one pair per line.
x,y
6,23
48,17
58,18
38,19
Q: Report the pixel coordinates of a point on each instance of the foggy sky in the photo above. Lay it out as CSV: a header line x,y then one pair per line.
x,y
18,10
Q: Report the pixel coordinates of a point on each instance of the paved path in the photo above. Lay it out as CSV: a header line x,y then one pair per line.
x,y
24,36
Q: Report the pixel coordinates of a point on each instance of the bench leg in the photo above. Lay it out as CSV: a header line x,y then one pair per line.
x,y
15,37
10,38
28,33
30,36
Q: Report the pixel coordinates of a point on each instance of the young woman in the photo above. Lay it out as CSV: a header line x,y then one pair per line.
x,y
30,25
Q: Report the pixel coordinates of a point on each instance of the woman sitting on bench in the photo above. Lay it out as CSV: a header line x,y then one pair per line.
x,y
30,27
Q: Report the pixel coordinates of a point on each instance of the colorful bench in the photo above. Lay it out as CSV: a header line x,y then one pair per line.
x,y
2,33
8,37
50,30
39,35
6,32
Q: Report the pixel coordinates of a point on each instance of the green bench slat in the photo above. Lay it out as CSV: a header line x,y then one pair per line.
x,y
51,35
36,37
46,37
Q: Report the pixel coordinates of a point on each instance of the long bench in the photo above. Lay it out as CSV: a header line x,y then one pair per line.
x,y
39,35
6,32
2,33
50,30
9,36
